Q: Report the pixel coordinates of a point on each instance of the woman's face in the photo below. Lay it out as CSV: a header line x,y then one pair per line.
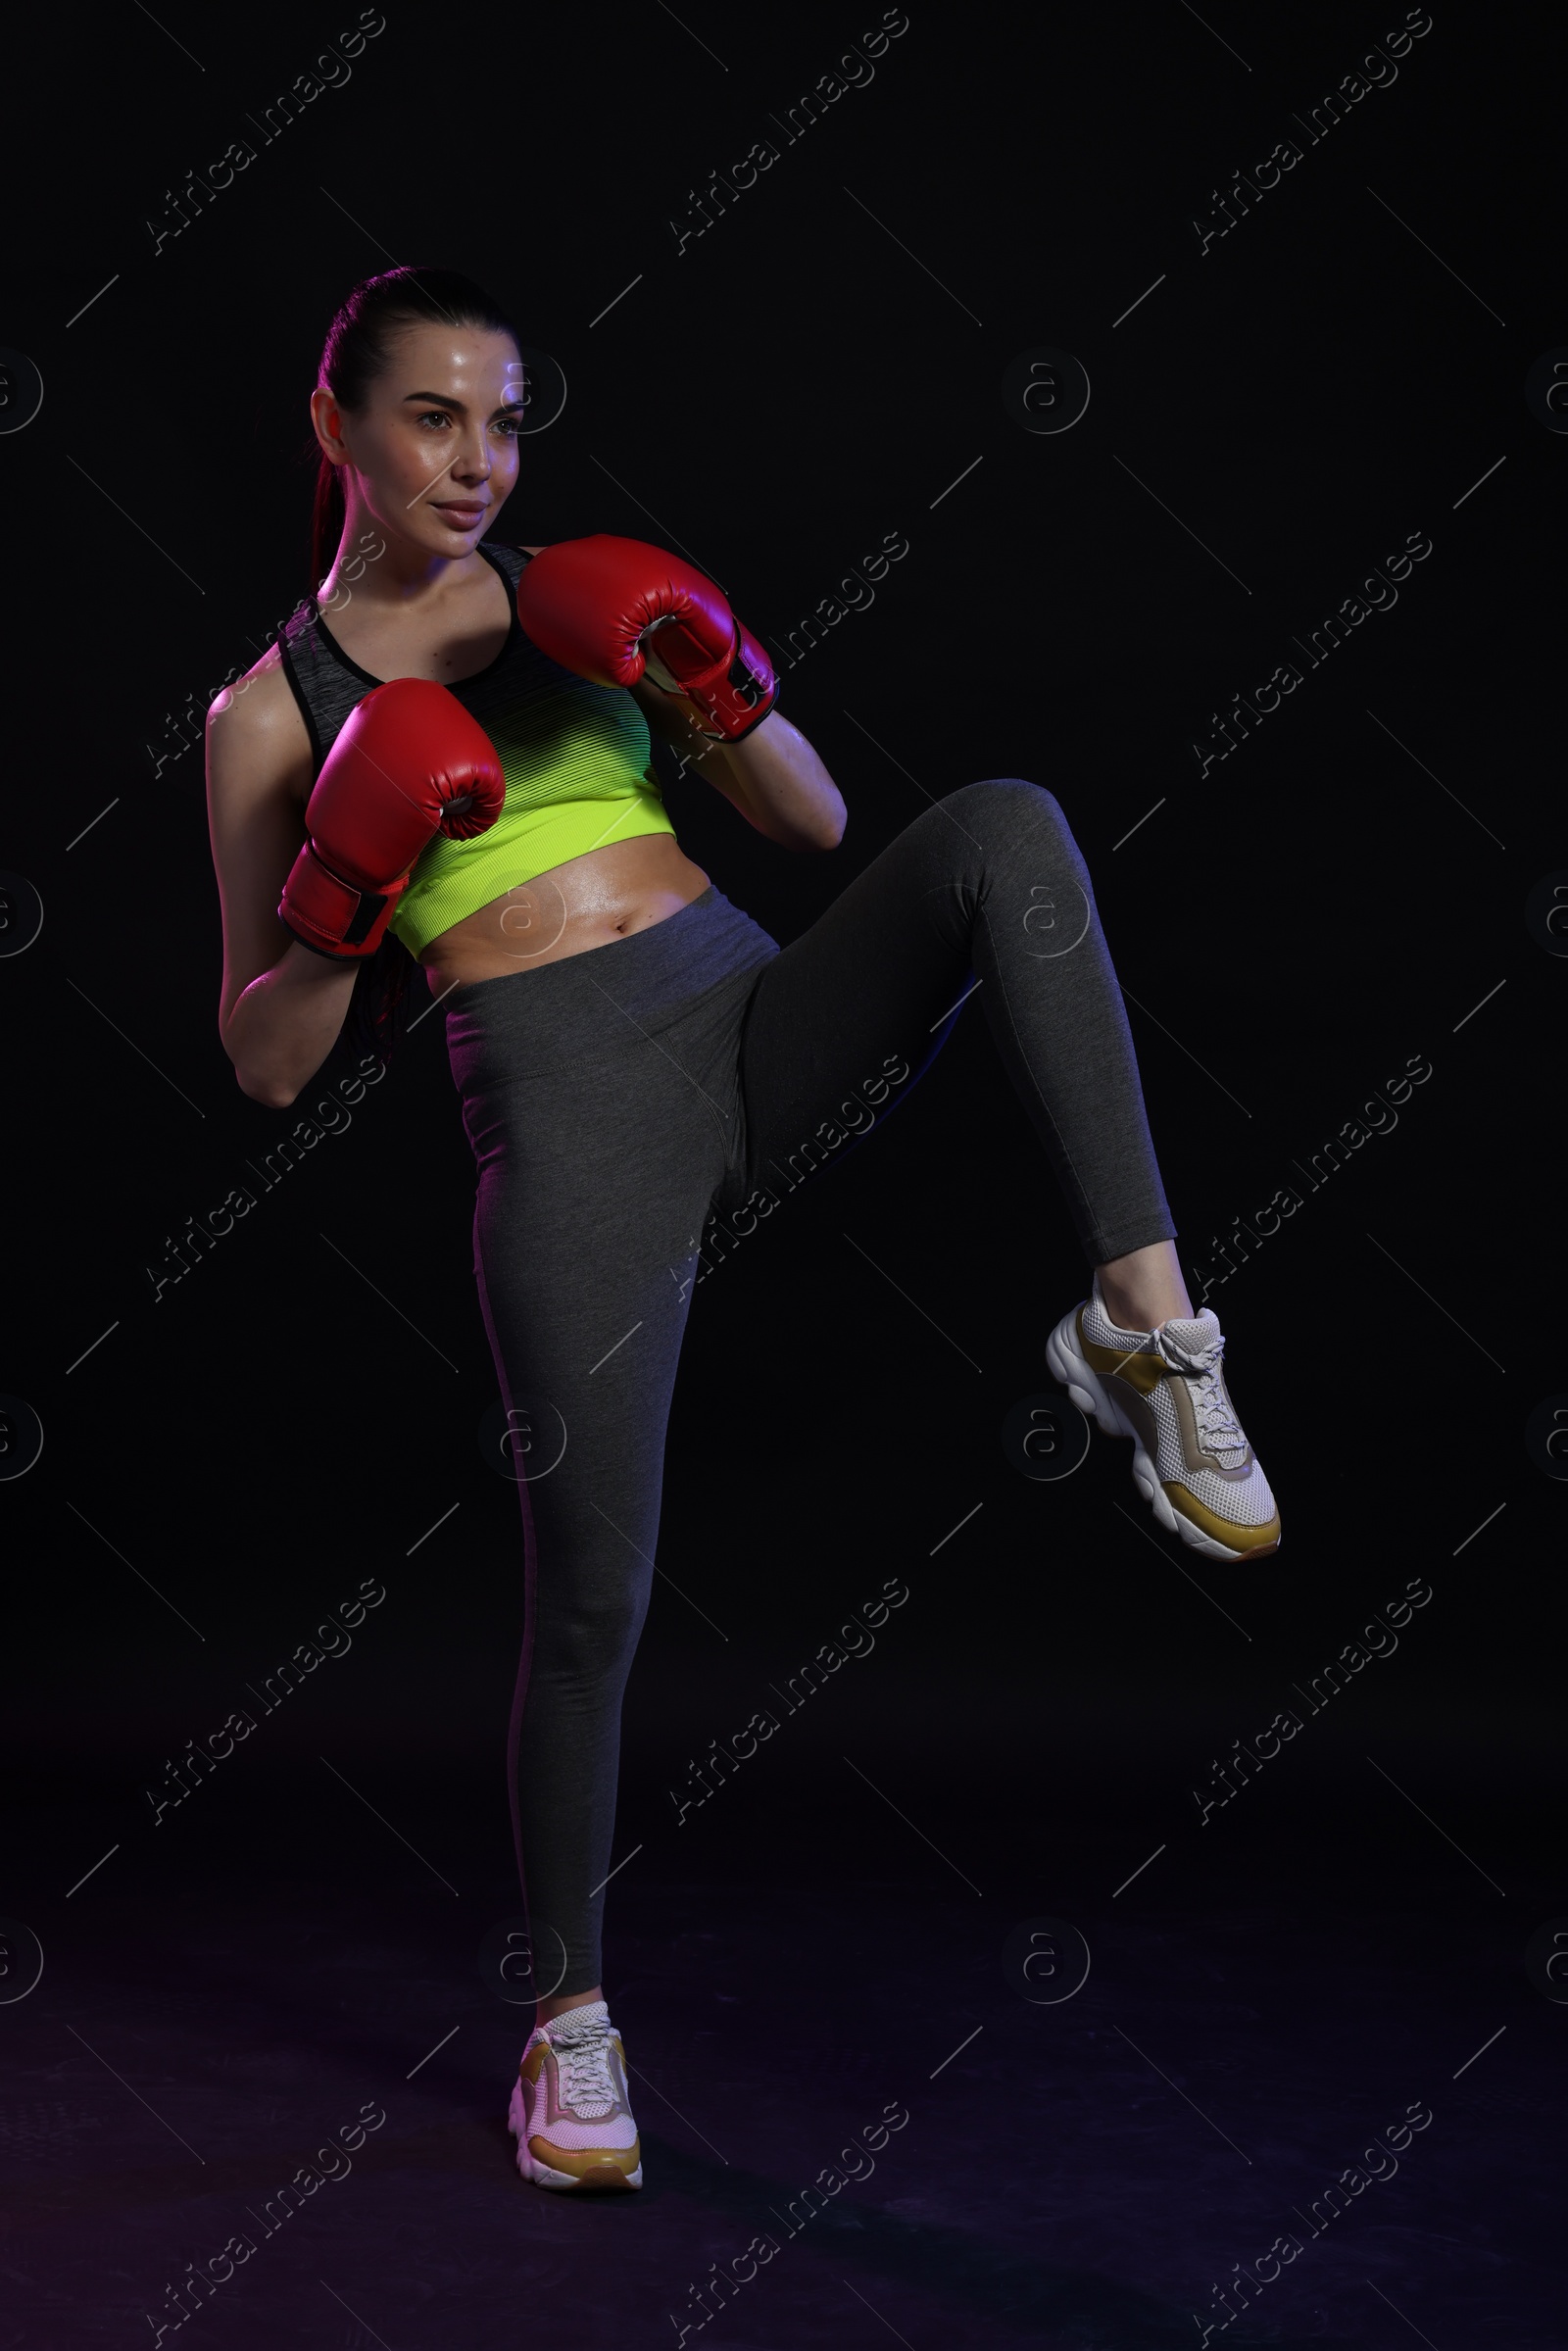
x,y
433,455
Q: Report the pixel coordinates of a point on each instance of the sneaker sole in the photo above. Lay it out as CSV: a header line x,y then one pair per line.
x,y
605,2178
1082,1383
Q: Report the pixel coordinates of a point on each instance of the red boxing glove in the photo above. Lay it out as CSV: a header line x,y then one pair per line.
x,y
611,608
409,762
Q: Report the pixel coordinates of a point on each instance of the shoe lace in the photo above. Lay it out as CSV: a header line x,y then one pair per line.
x,y
587,2084
1200,1367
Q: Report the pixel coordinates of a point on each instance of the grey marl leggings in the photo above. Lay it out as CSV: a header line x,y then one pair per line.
x,y
621,1100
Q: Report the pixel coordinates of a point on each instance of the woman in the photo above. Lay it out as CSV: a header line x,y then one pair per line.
x,y
422,773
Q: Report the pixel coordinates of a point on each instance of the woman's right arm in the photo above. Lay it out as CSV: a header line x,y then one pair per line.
x,y
282,1006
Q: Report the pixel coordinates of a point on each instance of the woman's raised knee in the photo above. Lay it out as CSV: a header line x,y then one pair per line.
x,y
1009,809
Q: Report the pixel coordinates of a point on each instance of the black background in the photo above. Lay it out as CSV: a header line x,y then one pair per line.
x,y
1271,422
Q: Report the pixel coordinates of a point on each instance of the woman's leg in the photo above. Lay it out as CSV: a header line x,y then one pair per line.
x,y
600,1110
987,886
987,889
572,1237
601,1099
1145,1288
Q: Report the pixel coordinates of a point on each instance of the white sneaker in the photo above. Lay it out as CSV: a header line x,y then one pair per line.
x,y
1166,1391
569,2112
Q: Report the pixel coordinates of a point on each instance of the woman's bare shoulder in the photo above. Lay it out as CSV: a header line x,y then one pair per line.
x,y
264,685
254,729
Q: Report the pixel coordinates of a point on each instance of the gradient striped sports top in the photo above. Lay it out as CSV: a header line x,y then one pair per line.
x,y
577,759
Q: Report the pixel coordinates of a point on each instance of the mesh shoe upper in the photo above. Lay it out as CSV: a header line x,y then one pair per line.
x,y
573,2077
1171,1385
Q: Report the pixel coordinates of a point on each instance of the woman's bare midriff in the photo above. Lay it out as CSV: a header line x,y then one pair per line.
x,y
589,901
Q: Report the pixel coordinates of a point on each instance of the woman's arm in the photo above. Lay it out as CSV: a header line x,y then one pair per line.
x,y
772,775
281,1007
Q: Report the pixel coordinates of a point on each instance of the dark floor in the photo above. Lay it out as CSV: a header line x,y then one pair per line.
x,y
1087,2172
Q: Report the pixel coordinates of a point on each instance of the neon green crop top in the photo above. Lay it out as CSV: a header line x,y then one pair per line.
x,y
577,759
579,767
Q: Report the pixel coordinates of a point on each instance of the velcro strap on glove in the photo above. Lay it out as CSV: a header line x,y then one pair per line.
x,y
333,916
734,694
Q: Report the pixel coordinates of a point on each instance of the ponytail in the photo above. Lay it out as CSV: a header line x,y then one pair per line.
x,y
326,520
381,1004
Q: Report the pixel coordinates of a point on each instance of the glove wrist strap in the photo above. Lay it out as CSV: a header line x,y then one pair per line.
x,y
334,916
734,694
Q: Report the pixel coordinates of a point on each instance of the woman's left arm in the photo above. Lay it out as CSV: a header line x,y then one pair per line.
x,y
772,775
